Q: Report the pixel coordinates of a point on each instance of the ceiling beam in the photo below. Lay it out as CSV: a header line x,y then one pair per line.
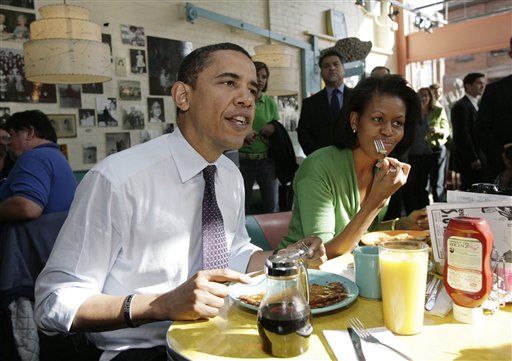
x,y
462,38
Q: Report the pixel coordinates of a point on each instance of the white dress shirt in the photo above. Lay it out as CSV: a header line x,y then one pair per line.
x,y
135,227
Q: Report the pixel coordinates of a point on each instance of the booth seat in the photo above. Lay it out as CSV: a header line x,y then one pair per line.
x,y
266,230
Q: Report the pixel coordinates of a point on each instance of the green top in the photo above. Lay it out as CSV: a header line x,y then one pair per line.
x,y
266,111
326,196
438,119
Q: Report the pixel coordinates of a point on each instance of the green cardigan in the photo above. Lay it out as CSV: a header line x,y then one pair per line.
x,y
326,196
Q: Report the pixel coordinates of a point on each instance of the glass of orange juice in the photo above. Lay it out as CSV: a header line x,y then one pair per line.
x,y
403,274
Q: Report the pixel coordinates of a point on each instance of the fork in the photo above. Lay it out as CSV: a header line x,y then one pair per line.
x,y
368,337
381,149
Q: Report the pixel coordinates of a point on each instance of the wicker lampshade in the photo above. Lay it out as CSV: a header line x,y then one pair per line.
x,y
66,48
283,79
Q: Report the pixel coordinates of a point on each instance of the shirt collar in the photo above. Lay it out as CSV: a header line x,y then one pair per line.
x,y
473,101
188,161
330,90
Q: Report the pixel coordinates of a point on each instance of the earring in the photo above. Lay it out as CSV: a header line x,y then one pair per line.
x,y
353,130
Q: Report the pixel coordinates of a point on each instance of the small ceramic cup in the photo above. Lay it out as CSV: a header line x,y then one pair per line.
x,y
366,261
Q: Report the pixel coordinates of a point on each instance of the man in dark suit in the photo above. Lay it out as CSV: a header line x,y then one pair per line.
x,y
493,128
469,159
319,111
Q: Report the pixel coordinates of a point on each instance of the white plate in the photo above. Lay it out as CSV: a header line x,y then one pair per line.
x,y
259,284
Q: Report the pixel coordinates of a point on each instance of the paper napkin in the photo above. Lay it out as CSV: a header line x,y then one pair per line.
x,y
443,304
341,345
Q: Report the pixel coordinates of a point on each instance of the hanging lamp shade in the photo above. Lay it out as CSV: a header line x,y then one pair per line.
x,y
66,48
283,78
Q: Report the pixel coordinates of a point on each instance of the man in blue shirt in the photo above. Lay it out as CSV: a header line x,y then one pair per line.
x,y
41,180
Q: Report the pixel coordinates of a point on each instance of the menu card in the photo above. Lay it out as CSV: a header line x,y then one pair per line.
x,y
495,209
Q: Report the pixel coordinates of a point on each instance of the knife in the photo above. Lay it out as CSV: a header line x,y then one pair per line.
x,y
356,342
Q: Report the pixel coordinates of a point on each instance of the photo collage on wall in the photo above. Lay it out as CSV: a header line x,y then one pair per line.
x,y
125,108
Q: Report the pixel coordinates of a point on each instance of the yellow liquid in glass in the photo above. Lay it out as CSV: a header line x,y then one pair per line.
x,y
403,279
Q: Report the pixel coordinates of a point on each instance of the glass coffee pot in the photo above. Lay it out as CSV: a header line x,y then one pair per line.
x,y
284,316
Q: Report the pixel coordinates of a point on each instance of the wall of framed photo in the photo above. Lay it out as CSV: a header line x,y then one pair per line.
x,y
147,39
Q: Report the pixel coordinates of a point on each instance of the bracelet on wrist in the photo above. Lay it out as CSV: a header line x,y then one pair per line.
x,y
127,311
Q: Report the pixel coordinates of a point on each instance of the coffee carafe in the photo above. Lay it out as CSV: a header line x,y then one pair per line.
x,y
284,316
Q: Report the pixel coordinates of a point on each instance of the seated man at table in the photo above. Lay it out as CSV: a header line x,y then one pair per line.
x,y
141,225
41,181
34,200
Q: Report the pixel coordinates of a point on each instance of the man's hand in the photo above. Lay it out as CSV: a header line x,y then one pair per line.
x,y
268,130
200,297
250,138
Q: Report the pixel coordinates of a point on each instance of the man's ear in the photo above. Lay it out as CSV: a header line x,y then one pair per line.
x,y
31,133
180,95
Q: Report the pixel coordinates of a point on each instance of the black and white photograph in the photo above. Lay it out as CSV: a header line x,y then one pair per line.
x,y
70,95
156,110
92,88
164,58
27,4
64,125
15,25
147,135
288,107
132,35
121,66
86,117
129,90
138,61
5,113
133,116
107,39
90,154
116,142
13,85
106,110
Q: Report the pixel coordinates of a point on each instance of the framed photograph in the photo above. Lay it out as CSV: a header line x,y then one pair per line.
x,y
164,58
147,135
106,109
64,149
288,107
70,95
90,154
16,25
156,113
93,88
28,4
87,117
129,90
138,61
121,66
107,39
133,116
5,113
14,87
132,35
64,125
116,142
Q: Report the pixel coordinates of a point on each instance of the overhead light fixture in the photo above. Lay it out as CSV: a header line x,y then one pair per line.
x,y
66,48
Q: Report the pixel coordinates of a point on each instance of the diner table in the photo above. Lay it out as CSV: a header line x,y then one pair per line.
x,y
235,335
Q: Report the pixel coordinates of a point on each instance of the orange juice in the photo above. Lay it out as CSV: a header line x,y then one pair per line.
x,y
403,273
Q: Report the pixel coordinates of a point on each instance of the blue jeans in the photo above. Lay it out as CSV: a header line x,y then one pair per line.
x,y
264,172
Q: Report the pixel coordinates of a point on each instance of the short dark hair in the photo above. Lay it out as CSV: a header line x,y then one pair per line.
x,y
260,65
363,94
471,78
35,119
327,53
380,67
195,62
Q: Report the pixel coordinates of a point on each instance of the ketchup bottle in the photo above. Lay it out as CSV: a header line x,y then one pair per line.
x,y
467,268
